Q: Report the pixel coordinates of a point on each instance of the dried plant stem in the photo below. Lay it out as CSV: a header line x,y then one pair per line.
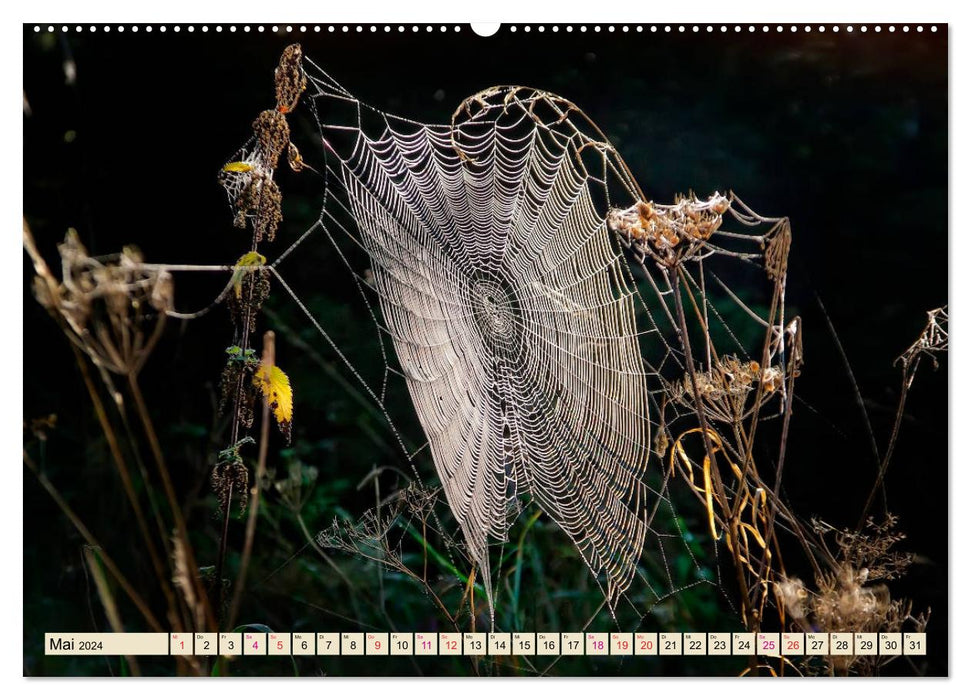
x,y
269,360
764,564
323,555
221,558
108,601
234,437
674,280
747,463
181,530
109,563
878,483
127,483
858,397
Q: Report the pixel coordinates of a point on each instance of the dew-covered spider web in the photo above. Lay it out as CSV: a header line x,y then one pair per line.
x,y
535,304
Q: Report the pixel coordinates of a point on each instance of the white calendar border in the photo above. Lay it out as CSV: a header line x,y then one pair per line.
x,y
602,10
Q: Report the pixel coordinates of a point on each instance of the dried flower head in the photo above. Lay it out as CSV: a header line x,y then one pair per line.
x,y
113,308
725,389
793,597
269,211
273,135
932,341
669,233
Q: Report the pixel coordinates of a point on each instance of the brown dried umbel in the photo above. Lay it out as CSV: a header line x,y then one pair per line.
x,y
669,233
725,389
933,340
290,79
113,308
273,134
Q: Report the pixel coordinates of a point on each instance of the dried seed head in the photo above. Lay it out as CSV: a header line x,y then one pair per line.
x,y
290,79
110,305
269,212
719,204
230,477
794,597
253,290
669,233
772,379
273,134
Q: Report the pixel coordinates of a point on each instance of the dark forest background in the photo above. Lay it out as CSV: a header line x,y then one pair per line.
x,y
847,134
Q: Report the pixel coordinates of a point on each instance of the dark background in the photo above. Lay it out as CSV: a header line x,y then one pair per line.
x,y
847,134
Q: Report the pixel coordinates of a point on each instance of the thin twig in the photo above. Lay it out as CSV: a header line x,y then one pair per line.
x,y
181,530
109,563
269,360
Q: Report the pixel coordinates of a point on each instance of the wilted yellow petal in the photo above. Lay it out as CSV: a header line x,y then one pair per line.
x,y
274,384
250,259
238,166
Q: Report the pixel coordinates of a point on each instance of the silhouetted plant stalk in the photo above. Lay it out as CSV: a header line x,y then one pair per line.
x,y
269,360
256,199
932,341
105,306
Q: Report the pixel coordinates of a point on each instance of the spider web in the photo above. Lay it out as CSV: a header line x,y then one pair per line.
x,y
544,362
